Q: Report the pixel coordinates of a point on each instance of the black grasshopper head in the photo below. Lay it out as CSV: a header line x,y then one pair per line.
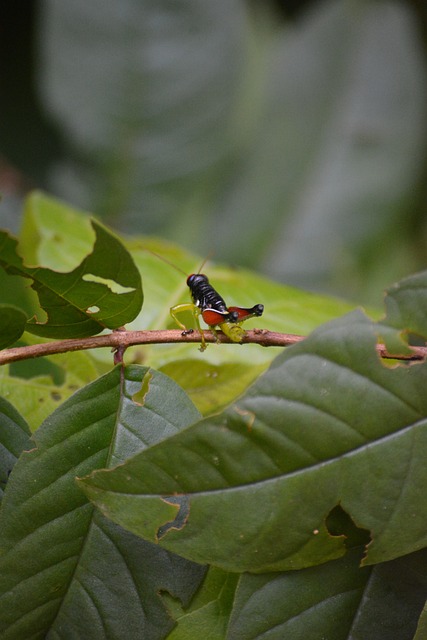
x,y
196,279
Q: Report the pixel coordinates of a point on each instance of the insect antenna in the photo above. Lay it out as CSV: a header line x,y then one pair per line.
x,y
171,264
205,261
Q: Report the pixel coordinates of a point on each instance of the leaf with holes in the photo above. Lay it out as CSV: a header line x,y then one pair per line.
x,y
104,291
62,564
327,424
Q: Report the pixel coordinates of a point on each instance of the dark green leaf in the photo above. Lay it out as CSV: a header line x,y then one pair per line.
x,y
337,600
62,565
320,602
14,439
393,600
327,424
104,291
12,324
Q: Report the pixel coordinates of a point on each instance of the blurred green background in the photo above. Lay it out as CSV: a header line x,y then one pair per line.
x,y
290,137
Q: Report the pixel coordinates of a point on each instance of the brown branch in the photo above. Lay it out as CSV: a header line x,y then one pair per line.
x,y
120,340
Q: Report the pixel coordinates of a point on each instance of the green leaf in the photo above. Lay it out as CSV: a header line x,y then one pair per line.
x,y
12,324
393,599
327,424
212,387
36,397
208,614
406,304
62,565
421,633
54,234
14,291
14,439
104,291
320,602
336,600
37,387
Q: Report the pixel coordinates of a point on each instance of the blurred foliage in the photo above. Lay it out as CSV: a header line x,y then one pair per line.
x,y
289,137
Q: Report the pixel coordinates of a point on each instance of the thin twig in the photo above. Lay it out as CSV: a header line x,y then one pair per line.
x,y
120,340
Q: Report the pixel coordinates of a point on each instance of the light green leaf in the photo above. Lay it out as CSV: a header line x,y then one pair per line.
x,y
37,387
85,300
421,632
12,324
207,616
212,387
37,397
327,424
62,565
54,234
